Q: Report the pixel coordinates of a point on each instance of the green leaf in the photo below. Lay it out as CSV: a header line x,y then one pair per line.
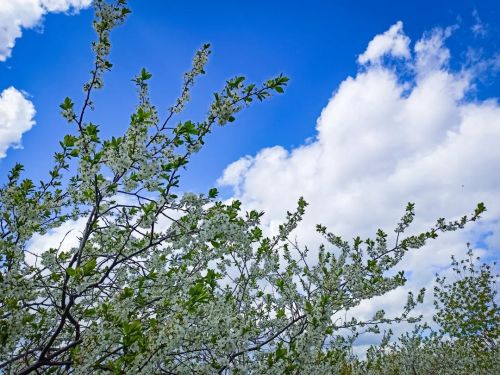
x,y
127,293
69,140
67,104
145,75
89,267
71,271
309,307
212,193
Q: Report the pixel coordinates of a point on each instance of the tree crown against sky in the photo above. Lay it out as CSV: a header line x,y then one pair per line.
x,y
160,282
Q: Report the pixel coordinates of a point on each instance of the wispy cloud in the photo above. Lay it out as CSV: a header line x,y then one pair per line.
x,y
479,29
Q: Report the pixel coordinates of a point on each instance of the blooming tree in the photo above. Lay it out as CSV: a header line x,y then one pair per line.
x,y
468,333
177,284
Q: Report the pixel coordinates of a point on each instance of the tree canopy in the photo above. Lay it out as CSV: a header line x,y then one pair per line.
x,y
166,282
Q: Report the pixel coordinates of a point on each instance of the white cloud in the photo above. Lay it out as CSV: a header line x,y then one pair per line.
x,y
384,139
16,117
16,15
430,52
63,238
393,42
479,29
234,173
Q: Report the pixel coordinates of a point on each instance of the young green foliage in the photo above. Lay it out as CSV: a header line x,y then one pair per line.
x,y
466,339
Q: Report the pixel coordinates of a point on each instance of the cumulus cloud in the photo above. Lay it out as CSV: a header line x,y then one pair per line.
x,y
383,139
16,117
393,42
16,15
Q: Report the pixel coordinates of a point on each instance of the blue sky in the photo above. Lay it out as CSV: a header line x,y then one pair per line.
x,y
315,45
388,102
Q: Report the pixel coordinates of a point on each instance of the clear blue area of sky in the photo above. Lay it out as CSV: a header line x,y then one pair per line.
x,y
315,43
